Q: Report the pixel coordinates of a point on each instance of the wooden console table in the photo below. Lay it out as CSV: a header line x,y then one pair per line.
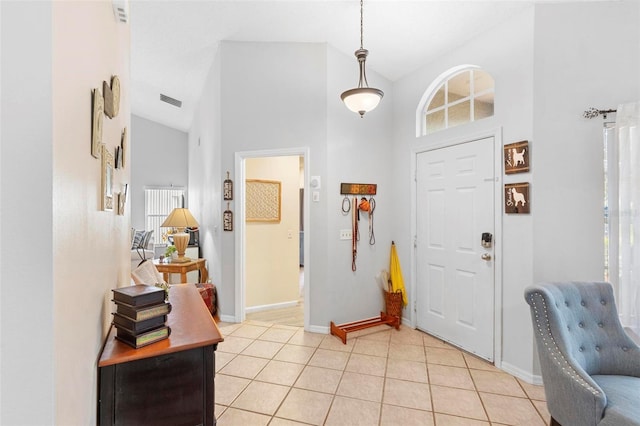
x,y
169,382
182,269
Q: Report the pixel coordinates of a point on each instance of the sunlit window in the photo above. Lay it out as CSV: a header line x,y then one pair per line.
x,y
461,95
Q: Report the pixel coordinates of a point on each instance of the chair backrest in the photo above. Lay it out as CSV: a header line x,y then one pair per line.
x,y
583,321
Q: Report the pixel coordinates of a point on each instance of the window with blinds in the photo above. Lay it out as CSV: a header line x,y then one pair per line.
x,y
158,203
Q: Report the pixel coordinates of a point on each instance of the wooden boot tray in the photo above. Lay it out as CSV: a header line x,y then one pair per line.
x,y
341,330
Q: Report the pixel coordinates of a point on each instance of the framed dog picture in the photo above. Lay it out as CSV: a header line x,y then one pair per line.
x,y
516,198
516,157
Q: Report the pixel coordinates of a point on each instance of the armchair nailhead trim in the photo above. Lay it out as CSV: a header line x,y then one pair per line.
x,y
551,345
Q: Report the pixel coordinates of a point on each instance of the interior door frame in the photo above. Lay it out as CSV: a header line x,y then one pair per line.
x,y
497,226
240,226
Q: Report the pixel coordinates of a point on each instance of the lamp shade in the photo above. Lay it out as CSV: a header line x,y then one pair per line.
x,y
362,99
180,218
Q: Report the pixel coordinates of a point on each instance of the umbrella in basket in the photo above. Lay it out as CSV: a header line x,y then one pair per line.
x,y
395,272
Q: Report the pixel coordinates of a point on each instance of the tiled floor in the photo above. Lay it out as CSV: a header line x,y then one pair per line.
x,y
280,375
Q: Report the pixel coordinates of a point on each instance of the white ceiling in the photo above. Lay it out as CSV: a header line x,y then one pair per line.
x,y
174,42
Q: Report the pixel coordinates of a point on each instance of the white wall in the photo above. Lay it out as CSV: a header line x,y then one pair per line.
x,y
586,55
272,248
550,63
65,254
358,151
272,96
91,247
506,52
206,175
286,95
26,239
159,157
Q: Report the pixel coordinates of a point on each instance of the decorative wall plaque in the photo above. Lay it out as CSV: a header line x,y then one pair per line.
x,y
107,94
97,111
358,188
107,179
123,147
227,188
227,219
516,157
516,198
111,93
115,90
122,198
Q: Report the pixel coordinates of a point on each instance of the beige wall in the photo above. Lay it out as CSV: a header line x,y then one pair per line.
x,y
272,249
91,253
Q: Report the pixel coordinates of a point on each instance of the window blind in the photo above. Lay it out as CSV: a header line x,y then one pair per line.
x,y
158,203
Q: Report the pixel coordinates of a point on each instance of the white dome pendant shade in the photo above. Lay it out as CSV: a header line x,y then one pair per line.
x,y
363,98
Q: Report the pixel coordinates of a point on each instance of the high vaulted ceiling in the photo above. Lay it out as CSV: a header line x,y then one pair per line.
x,y
174,42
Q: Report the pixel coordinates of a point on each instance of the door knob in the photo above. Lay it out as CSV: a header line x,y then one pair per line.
x,y
485,256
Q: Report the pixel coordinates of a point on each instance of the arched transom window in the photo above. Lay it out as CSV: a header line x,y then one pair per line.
x,y
458,96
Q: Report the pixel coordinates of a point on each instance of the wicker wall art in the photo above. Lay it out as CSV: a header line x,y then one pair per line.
x,y
263,200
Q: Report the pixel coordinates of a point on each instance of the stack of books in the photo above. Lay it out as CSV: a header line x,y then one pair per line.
x,y
141,315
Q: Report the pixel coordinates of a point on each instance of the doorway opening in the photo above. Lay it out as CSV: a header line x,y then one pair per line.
x,y
272,282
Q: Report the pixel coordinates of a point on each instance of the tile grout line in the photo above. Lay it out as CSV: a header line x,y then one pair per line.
x,y
467,367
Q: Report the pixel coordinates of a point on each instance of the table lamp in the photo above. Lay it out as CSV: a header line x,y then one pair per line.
x,y
180,218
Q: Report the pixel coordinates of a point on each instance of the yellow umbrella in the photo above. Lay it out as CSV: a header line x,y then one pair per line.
x,y
395,272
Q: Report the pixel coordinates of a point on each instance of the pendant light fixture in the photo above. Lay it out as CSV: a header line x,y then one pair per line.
x,y
363,98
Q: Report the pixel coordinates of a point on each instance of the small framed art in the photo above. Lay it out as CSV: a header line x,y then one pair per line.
x,y
263,200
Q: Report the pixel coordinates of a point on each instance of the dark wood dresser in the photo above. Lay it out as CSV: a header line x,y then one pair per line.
x,y
170,382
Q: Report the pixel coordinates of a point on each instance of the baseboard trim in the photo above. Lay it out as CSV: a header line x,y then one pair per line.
x,y
319,329
261,308
521,374
227,318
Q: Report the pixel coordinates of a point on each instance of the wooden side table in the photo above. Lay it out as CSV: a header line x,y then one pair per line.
x,y
166,383
182,269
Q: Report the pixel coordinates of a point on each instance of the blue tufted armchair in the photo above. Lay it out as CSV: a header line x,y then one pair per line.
x,y
590,367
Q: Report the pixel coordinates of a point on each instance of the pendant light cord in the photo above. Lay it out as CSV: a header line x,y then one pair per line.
x,y
361,24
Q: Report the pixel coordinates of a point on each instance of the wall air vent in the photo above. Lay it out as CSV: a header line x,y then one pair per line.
x,y
121,10
170,100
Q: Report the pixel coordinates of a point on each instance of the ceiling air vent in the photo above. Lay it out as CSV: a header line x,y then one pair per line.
x,y
170,100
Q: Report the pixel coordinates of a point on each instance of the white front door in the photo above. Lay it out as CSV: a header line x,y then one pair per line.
x,y
455,272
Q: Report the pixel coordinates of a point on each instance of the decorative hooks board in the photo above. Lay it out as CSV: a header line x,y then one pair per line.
x,y
358,188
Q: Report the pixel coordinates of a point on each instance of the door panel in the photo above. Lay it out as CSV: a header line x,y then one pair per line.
x,y
455,205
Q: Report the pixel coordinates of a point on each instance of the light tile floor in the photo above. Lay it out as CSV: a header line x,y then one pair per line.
x,y
281,376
